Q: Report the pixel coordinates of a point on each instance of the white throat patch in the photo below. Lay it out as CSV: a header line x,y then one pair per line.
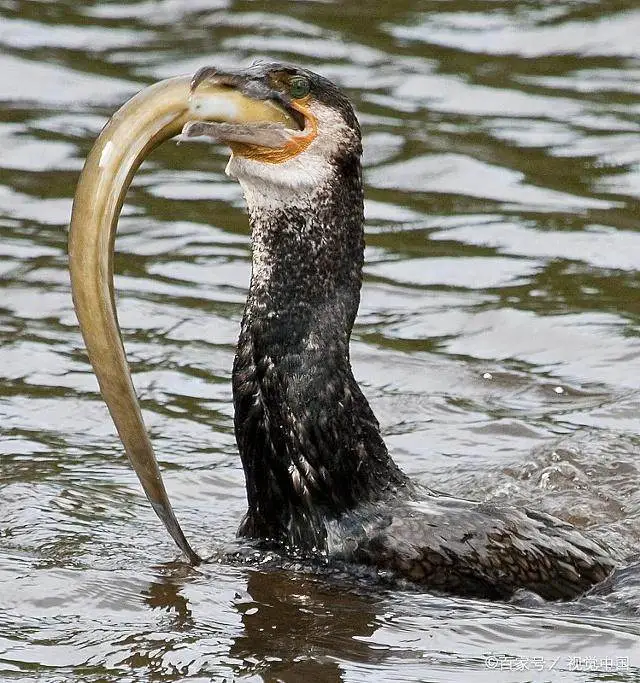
x,y
294,181
271,186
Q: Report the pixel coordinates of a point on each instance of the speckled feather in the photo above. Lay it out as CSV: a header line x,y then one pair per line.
x,y
474,549
318,474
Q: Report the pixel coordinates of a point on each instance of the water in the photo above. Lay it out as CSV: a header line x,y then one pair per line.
x,y
498,337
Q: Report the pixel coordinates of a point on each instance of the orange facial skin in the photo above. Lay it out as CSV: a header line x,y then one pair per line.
x,y
296,145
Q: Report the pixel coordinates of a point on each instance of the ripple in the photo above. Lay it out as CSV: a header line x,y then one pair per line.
x,y
56,86
505,34
457,174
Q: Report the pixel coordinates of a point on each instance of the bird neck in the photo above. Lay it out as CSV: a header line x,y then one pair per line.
x,y
310,444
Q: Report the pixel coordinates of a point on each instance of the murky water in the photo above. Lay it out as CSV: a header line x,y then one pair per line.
x,y
498,338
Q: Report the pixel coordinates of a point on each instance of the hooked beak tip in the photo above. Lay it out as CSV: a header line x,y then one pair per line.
x,y
201,75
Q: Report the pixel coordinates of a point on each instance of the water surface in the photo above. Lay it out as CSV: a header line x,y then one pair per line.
x,y
498,338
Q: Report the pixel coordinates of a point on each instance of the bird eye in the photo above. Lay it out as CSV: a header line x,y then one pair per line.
x,y
299,86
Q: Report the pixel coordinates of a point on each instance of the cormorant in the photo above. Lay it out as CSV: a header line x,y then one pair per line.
x,y
318,474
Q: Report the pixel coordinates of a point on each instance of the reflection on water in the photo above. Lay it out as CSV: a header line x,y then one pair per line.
x,y
497,337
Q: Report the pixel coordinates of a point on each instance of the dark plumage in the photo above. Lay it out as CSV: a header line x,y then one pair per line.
x,y
318,474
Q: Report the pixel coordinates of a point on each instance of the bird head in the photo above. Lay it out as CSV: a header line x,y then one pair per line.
x,y
312,131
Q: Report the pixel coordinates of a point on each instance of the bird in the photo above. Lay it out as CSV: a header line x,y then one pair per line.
x,y
320,481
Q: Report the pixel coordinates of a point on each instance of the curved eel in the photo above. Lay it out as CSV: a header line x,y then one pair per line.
x,y
149,118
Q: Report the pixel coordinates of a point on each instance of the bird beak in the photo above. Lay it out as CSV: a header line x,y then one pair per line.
x,y
139,126
240,111
289,130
